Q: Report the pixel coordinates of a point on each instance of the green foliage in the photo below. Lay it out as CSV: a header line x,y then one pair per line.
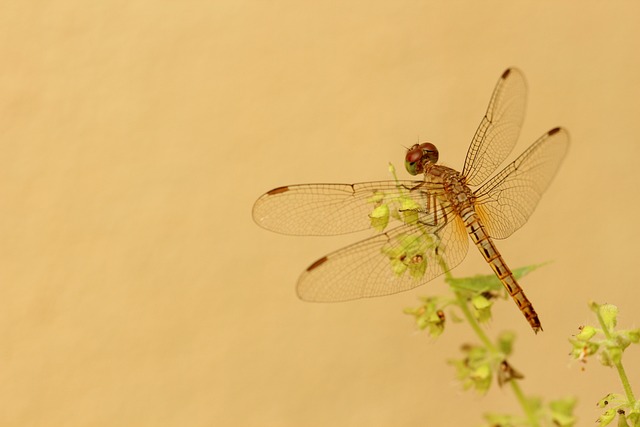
x,y
429,316
481,363
471,302
400,206
380,217
561,411
608,345
558,413
408,253
477,293
475,369
488,283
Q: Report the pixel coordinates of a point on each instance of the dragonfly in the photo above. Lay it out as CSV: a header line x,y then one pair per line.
x,y
423,226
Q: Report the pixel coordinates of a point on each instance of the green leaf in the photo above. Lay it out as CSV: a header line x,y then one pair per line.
x,y
398,267
417,265
586,333
502,420
481,377
615,354
476,284
633,335
409,209
380,217
622,420
429,315
520,272
505,342
407,252
609,315
475,369
605,358
489,282
479,302
609,398
435,324
562,411
606,417
482,306
634,418
582,349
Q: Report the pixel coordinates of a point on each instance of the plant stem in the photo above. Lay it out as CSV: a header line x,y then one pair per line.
x,y
533,421
618,364
625,382
462,303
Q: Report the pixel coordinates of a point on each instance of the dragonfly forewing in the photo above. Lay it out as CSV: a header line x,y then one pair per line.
x,y
326,209
499,129
505,202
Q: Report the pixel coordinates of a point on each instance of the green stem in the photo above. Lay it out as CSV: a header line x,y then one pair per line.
x,y
618,364
462,303
625,382
466,311
531,416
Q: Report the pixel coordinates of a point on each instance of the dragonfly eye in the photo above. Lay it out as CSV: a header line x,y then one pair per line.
x,y
430,152
418,156
413,155
412,160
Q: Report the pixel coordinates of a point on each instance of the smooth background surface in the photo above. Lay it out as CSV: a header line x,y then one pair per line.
x,y
135,288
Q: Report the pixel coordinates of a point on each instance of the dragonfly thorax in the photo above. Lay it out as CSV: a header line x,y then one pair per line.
x,y
418,156
456,189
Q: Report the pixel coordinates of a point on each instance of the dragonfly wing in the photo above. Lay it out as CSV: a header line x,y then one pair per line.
x,y
395,261
498,132
327,209
506,201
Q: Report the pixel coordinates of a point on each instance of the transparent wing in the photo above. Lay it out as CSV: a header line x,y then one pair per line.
x,y
505,202
391,262
327,209
499,129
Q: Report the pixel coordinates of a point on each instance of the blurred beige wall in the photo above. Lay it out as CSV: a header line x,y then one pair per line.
x,y
135,136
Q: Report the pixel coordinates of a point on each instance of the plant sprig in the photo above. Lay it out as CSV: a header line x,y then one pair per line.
x,y
608,345
472,300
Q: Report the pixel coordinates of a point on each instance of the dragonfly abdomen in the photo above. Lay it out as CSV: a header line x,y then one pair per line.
x,y
490,253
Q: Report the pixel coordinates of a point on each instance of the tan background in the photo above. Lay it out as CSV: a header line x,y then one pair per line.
x,y
135,137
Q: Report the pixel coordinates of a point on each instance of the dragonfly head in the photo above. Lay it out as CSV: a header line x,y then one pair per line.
x,y
419,156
